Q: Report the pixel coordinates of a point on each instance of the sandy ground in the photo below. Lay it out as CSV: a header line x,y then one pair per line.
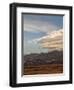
x,y
43,69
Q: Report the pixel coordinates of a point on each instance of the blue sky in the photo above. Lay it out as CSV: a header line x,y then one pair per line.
x,y
37,26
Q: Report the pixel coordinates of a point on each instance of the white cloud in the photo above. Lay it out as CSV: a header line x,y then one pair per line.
x,y
53,41
39,26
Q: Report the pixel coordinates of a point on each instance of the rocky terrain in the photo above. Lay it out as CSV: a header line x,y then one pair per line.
x,y
44,58
43,63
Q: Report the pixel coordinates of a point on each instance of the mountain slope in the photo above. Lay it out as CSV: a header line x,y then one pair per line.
x,y
54,57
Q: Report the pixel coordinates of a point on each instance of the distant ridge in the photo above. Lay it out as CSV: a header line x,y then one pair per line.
x,y
54,57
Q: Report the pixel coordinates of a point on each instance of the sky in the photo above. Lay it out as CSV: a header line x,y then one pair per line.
x,y
37,26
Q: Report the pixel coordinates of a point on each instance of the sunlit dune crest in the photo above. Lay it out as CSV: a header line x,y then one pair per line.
x,y
53,41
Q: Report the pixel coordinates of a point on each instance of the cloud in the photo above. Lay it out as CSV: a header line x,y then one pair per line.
x,y
53,41
37,25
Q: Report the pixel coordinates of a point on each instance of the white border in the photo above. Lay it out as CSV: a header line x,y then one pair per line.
x,y
44,77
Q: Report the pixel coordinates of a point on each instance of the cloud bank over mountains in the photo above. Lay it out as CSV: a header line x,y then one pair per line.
x,y
52,41
42,33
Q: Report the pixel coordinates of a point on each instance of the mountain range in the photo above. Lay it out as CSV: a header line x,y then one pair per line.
x,y
53,57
